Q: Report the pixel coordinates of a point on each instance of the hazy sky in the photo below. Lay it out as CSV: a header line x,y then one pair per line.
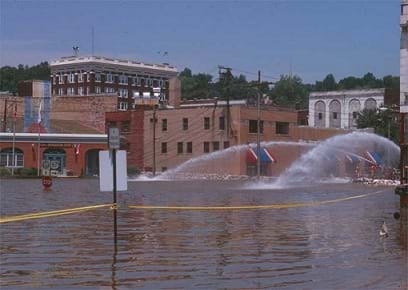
x,y
313,37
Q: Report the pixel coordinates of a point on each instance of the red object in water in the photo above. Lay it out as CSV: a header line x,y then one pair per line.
x,y
47,182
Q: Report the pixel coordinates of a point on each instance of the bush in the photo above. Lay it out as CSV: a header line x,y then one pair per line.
x,y
4,171
132,170
28,171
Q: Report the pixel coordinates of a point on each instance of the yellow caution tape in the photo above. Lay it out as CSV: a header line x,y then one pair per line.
x,y
50,213
268,206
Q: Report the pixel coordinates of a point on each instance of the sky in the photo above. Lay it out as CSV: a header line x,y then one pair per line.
x,y
308,38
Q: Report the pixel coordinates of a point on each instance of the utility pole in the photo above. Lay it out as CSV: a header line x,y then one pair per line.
x,y
5,115
154,141
226,76
258,133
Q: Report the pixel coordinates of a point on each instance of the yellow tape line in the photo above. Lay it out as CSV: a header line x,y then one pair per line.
x,y
268,206
50,213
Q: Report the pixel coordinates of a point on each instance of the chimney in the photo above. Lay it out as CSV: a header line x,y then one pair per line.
x,y
174,92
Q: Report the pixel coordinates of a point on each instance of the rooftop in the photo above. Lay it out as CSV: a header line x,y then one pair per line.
x,y
348,93
111,61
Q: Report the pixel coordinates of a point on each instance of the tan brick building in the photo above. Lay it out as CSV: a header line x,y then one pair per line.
x,y
199,128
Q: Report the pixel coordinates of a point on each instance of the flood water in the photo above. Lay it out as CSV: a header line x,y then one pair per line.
x,y
328,246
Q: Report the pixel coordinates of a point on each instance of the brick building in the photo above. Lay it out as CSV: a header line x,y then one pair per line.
x,y
132,81
198,128
68,154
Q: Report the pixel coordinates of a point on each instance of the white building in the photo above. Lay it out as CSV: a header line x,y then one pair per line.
x,y
404,57
339,109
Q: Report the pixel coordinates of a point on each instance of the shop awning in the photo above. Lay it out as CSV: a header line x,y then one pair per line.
x,y
375,157
265,156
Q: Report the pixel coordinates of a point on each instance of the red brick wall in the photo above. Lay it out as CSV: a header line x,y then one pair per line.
x,y
74,163
134,136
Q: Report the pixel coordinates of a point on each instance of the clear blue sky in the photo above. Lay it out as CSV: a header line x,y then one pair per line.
x,y
313,37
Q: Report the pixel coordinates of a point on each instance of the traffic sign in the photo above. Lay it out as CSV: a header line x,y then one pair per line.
x,y
114,138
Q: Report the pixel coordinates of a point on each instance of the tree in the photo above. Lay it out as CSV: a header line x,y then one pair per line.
x,y
328,84
10,76
382,121
290,91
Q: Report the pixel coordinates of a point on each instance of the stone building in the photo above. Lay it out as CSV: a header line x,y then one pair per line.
x,y
340,109
131,81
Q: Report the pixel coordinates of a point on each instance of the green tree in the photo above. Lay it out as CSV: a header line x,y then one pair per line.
x,y
290,91
383,122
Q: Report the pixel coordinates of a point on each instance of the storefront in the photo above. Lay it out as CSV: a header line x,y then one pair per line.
x,y
53,154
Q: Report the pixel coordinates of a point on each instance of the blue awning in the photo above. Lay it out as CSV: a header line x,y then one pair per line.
x,y
375,157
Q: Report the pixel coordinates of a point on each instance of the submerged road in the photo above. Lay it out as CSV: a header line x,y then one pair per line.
x,y
331,243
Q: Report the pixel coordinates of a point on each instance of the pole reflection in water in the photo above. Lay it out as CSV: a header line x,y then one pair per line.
x,y
115,248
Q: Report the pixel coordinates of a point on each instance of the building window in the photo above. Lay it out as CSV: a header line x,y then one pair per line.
x,y
109,78
80,91
335,115
71,78
80,77
6,158
185,123
111,124
61,79
222,123
320,116
109,90
123,93
206,147
88,77
355,114
97,90
226,144
216,146
206,123
282,128
164,147
54,80
164,125
70,91
88,90
189,147
253,126
60,91
126,126
97,77
123,79
180,147
123,106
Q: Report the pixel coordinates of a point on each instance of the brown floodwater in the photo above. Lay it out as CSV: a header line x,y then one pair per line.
x,y
328,246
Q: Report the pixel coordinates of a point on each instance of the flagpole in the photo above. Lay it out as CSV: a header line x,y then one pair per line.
x,y
39,140
14,141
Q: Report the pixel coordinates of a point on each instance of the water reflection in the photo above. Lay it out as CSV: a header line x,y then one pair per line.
x,y
311,247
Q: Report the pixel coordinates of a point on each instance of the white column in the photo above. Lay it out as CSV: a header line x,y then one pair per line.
x,y
327,102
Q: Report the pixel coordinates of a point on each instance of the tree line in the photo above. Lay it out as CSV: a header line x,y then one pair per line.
x,y
10,76
288,90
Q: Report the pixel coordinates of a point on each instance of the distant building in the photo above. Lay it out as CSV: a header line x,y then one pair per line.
x,y
197,128
404,91
340,109
134,82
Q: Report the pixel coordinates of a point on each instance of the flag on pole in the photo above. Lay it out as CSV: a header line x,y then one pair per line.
x,y
39,113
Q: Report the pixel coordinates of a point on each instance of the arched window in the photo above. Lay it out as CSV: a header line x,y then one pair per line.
x,y
335,114
320,114
370,104
6,157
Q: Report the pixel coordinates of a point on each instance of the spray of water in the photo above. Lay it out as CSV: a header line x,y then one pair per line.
x,y
189,164
321,160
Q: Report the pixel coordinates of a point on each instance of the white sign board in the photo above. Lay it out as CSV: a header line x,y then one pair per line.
x,y
114,138
106,170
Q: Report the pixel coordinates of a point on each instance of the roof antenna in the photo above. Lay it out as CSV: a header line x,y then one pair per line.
x,y
76,50
92,39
